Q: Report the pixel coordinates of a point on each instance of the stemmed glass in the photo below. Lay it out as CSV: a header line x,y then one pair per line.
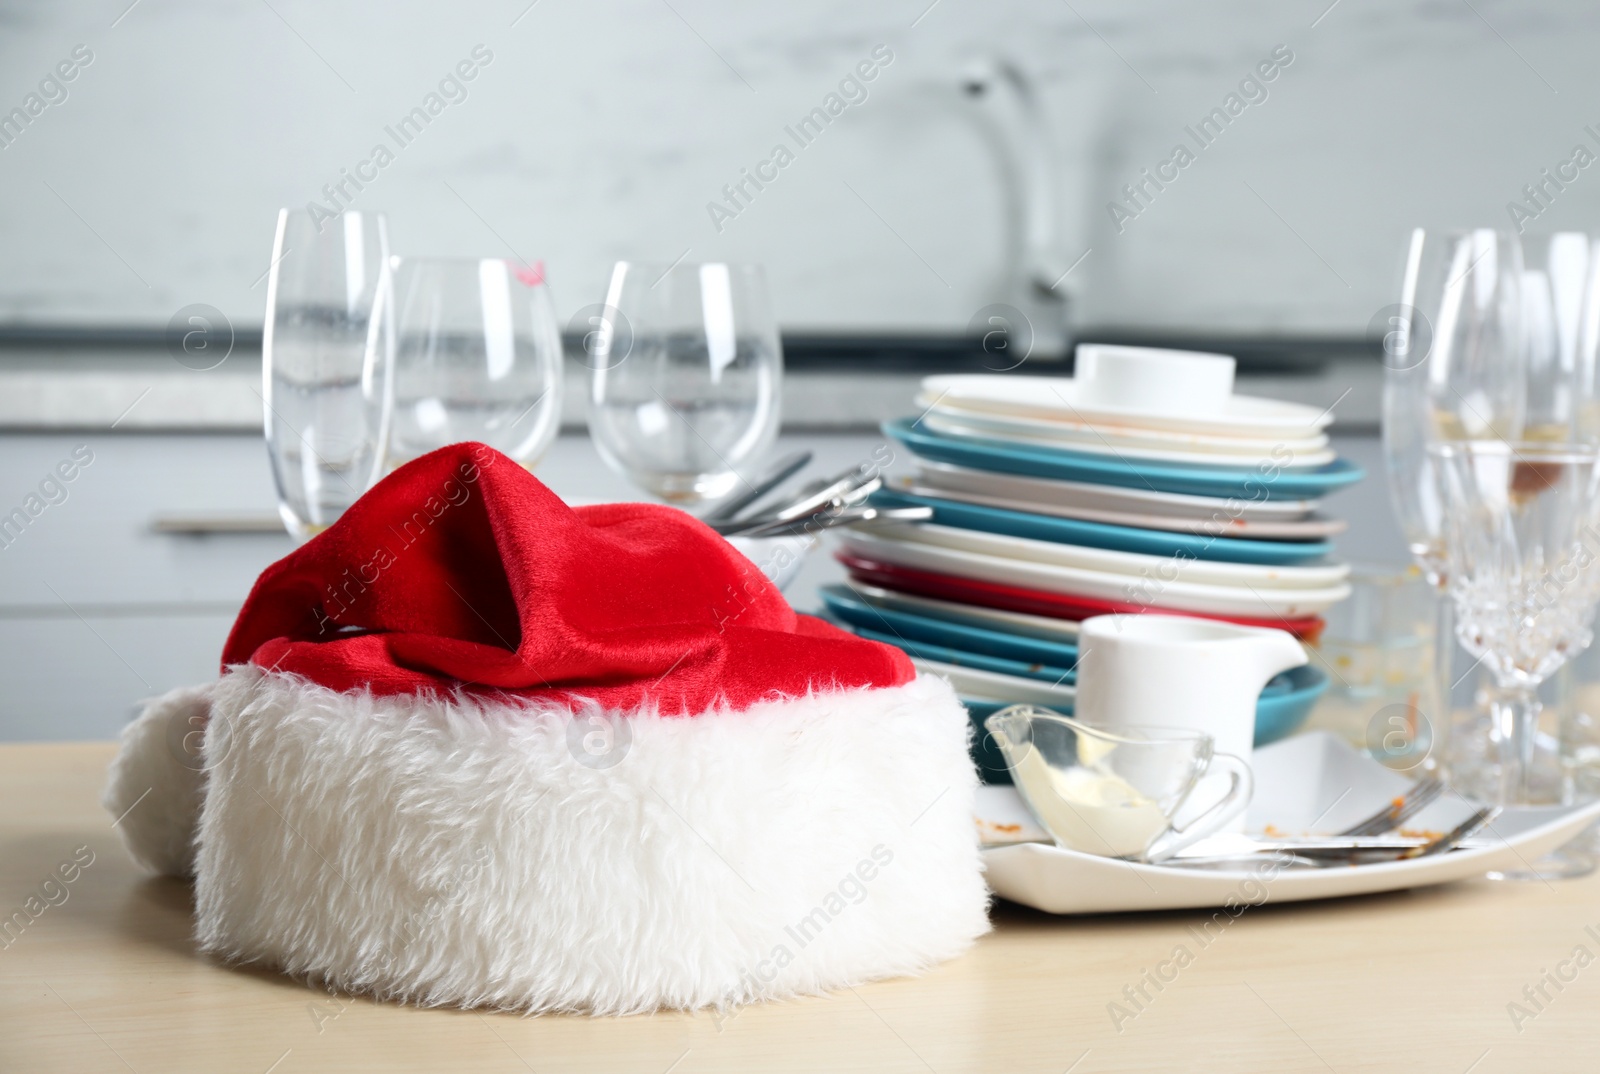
x,y
475,354
1453,363
687,373
1561,307
1521,550
1489,430
322,429
1561,321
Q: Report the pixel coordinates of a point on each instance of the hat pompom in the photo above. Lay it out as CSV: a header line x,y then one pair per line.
x,y
156,785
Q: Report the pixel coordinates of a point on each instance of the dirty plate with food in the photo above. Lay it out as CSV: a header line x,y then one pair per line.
x,y
1310,784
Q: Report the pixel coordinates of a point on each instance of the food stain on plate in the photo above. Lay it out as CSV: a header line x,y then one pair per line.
x,y
993,833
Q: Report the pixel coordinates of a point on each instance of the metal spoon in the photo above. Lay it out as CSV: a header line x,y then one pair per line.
x,y
851,486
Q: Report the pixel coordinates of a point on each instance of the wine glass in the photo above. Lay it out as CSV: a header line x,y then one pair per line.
x,y
323,430
475,355
1453,368
1560,322
687,372
1521,550
1562,328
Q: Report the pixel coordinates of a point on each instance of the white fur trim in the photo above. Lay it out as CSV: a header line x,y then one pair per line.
x,y
457,851
156,784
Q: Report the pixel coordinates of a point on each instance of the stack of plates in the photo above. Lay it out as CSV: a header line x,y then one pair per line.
x,y
1048,510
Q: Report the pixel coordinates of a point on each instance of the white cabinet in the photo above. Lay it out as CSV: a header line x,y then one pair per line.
x,y
97,610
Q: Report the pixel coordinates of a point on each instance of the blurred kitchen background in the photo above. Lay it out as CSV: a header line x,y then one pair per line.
x,y
973,176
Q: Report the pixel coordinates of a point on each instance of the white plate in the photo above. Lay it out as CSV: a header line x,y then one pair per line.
x,y
1066,431
1273,453
1111,561
980,685
1298,781
1312,527
1033,626
1177,596
1056,398
944,475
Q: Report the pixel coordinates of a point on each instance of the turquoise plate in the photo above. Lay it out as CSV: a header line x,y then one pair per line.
x,y
931,638
1245,483
845,604
924,650
1102,535
1278,715
1053,663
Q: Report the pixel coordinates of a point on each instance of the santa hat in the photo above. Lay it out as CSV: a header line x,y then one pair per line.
x,y
472,746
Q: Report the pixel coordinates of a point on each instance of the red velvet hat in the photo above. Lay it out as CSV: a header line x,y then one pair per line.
x,y
473,746
462,571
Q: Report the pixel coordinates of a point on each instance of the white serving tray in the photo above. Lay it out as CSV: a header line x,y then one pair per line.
x,y
1310,783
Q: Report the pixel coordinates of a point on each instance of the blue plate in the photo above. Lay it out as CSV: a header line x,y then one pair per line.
x,y
1245,483
1101,535
1280,714
1276,717
846,605
992,767
1007,654
944,654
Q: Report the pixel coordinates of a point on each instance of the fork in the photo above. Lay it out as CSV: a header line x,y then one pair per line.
x,y
1231,849
1451,839
1419,797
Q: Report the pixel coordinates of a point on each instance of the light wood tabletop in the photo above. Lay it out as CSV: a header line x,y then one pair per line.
x,y
104,977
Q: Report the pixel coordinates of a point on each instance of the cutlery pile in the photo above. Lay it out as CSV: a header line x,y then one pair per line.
x,y
826,503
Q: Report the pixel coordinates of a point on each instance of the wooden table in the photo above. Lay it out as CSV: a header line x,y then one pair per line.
x,y
108,980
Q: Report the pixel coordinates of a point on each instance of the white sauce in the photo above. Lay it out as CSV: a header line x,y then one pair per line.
x,y
1087,810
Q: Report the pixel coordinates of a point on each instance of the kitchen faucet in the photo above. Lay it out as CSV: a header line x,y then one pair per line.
x,y
1034,286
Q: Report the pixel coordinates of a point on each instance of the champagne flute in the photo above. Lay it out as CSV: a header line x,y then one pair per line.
x,y
475,355
687,374
1453,368
323,430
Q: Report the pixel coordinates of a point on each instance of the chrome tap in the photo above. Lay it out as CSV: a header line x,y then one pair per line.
x,y
1009,102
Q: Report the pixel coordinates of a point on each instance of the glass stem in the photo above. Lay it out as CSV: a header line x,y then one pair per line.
x,y
1516,720
1442,718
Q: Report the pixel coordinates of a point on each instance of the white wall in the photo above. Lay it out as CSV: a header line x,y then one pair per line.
x,y
601,129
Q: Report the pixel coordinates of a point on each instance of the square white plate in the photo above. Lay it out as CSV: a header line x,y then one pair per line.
x,y
1310,783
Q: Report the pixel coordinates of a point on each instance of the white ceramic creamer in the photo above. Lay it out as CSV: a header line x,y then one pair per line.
x,y
1177,671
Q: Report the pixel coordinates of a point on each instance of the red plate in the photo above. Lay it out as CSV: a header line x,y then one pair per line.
x,y
1016,599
